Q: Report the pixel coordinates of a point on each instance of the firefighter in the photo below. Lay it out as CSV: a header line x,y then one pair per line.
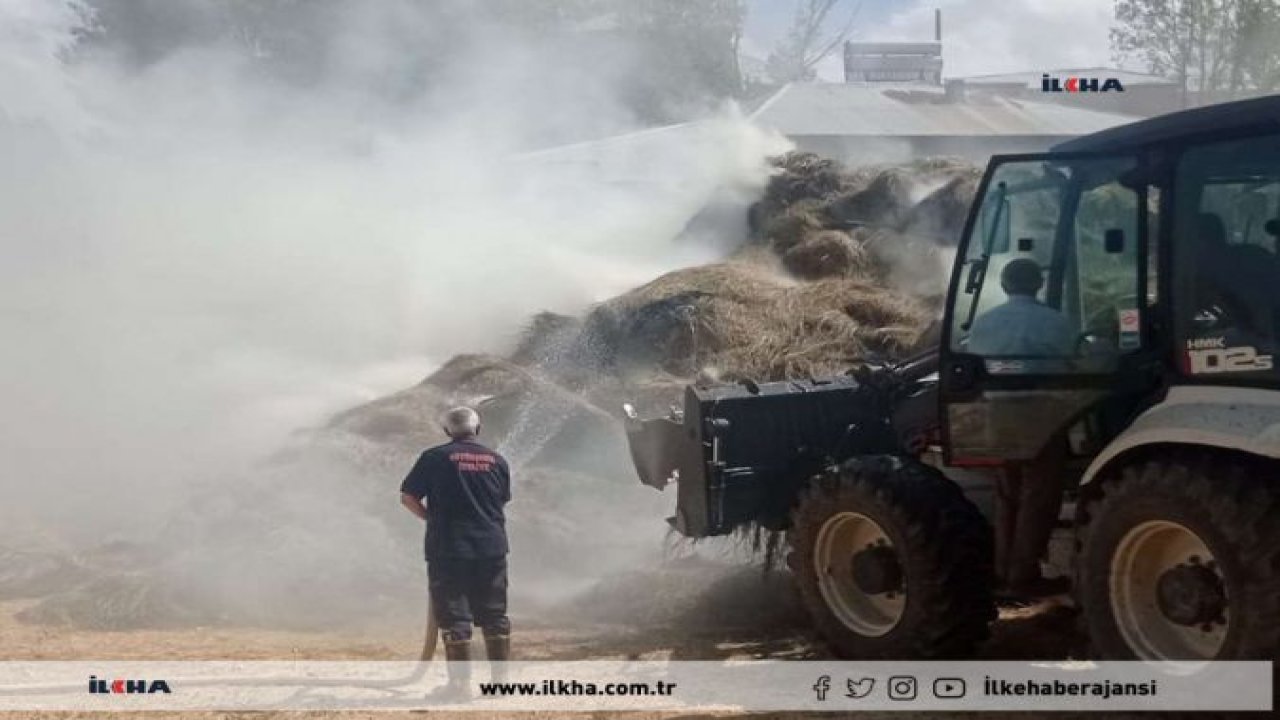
x,y
460,489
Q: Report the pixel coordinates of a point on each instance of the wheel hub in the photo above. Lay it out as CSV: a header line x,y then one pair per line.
x,y
1190,594
858,571
876,570
1167,594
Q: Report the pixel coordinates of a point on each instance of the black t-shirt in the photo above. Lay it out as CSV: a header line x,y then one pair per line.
x,y
466,485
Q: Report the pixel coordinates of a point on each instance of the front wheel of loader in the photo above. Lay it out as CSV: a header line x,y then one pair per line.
x,y
893,561
1180,560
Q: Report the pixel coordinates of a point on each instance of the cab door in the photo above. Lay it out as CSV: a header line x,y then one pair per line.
x,y
1019,364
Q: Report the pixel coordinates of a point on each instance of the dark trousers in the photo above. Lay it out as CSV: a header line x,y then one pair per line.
x,y
468,591
1027,513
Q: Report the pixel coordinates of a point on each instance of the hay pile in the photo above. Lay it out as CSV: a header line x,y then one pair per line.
x,y
825,223
830,277
941,215
125,601
739,320
34,573
817,288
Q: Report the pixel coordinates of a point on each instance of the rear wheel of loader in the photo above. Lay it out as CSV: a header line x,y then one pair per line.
x,y
1181,561
893,561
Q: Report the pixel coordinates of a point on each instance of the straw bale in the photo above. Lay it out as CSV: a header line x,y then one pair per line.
x,y
883,202
793,225
828,253
940,216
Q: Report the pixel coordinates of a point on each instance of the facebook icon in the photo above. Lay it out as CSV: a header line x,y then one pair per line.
x,y
822,687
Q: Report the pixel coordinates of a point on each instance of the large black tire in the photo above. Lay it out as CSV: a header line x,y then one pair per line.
x,y
942,545
1229,504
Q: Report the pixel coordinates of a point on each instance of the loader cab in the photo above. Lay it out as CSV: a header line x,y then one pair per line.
x,y
1156,248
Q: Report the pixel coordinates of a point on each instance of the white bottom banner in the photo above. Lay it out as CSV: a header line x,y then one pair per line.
x,y
658,685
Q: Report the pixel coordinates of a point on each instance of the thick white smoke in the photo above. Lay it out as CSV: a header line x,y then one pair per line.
x,y
199,259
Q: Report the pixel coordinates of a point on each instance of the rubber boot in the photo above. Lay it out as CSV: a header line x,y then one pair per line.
x,y
458,686
498,649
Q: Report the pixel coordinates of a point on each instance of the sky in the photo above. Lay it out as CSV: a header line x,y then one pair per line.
x,y
979,36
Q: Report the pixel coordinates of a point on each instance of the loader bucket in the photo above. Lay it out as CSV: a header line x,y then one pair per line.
x,y
656,450
739,453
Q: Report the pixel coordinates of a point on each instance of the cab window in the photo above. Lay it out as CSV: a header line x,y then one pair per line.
x,y
1106,244
1226,226
1051,269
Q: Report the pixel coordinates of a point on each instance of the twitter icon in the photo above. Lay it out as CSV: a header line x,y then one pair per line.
x,y
860,688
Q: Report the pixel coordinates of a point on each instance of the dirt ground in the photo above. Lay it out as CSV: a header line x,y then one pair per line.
x,y
771,626
1015,637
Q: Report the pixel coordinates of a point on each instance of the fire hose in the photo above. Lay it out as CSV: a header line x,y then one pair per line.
x,y
429,645
433,635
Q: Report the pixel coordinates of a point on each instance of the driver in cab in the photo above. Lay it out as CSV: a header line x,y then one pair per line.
x,y
1022,326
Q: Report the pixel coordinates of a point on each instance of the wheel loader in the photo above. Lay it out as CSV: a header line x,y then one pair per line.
x,y
1157,242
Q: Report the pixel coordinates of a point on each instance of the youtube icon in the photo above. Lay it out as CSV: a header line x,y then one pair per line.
x,y
948,688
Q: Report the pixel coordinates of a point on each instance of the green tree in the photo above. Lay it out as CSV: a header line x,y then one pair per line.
x,y
808,41
1258,47
667,59
687,51
1210,46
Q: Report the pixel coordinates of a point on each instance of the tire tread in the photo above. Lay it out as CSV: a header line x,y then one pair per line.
x,y
1240,502
948,544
